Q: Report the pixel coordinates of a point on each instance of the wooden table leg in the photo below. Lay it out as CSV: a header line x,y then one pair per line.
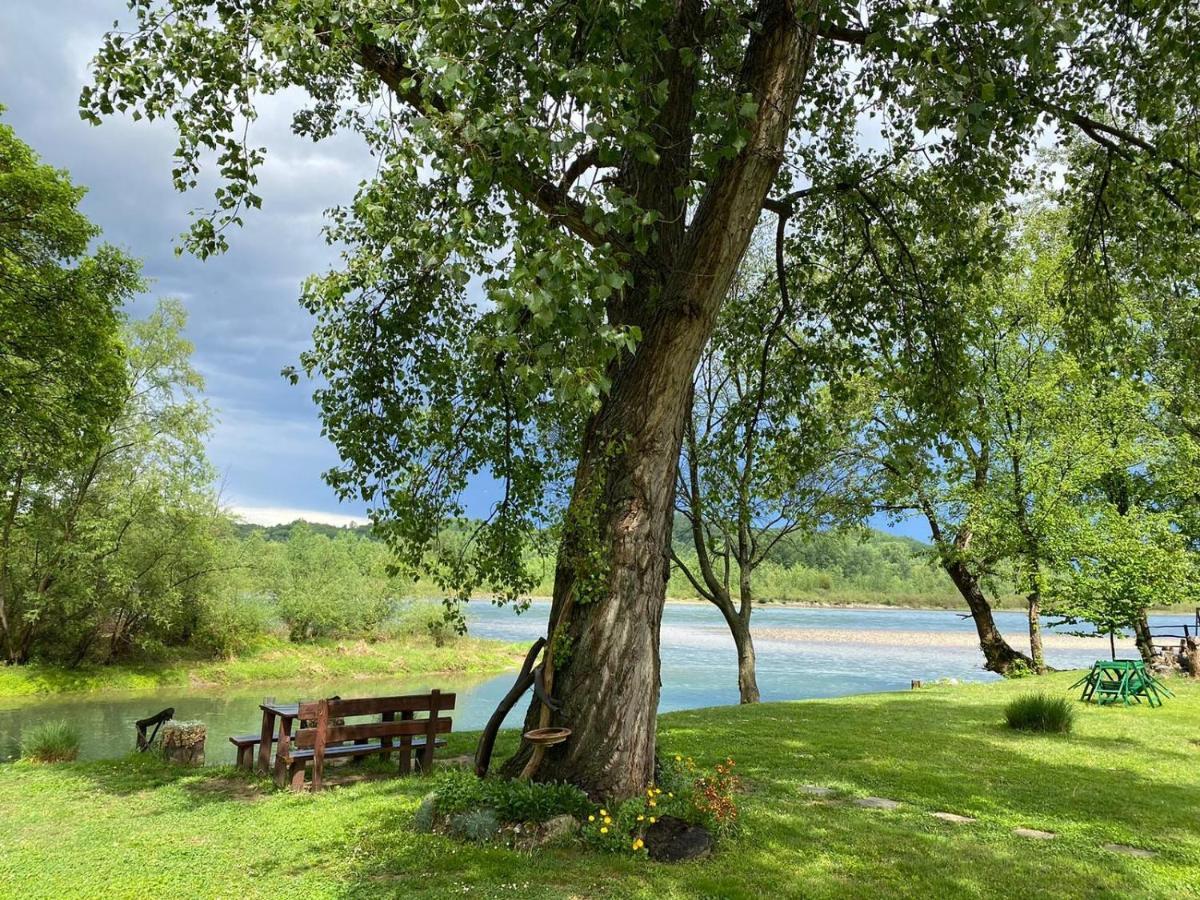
x,y
266,736
285,741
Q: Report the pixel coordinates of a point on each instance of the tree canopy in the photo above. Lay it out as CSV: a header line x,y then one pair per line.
x,y
564,193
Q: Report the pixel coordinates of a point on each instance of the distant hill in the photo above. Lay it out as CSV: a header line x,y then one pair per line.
x,y
280,533
858,566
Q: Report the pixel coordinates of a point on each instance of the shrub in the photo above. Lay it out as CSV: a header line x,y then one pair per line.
x,y
51,742
1039,712
684,791
423,819
421,618
475,825
513,801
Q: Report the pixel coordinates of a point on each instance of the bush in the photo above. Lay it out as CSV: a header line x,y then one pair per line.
x,y
232,624
421,618
475,825
457,791
1038,712
51,742
423,820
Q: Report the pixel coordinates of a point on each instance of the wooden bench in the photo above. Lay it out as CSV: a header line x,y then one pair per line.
x,y
245,744
327,740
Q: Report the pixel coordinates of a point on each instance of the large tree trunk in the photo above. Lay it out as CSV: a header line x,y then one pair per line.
x,y
613,565
998,654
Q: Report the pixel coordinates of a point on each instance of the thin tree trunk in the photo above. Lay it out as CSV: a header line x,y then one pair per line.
x,y
10,517
1035,633
1145,641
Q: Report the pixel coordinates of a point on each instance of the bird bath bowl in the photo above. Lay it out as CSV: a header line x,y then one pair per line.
x,y
547,737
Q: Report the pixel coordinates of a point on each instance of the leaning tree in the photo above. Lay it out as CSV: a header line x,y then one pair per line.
x,y
563,193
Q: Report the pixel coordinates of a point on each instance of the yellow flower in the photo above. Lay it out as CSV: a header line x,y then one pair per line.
x,y
603,830
652,803
672,796
604,812
639,844
652,820
640,818
678,758
649,792
607,820
591,818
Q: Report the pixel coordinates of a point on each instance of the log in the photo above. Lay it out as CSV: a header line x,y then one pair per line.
x,y
487,740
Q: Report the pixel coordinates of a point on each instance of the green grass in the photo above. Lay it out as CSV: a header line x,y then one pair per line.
x,y
1040,712
51,742
273,661
137,828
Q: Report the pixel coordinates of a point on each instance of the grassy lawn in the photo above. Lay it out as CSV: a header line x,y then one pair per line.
x,y
1129,776
274,661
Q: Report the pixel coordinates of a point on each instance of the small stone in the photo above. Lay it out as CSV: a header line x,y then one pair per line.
x,y
816,790
953,817
1130,851
671,839
1035,834
877,803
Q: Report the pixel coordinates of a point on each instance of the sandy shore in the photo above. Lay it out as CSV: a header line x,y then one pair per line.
x,y
888,638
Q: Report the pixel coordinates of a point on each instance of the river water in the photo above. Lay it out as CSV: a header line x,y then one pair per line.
x,y
802,653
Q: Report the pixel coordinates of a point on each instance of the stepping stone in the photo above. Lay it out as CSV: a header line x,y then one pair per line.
x,y
816,790
876,803
953,817
1130,851
1035,834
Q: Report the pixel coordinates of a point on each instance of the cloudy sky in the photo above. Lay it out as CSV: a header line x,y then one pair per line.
x,y
244,318
243,314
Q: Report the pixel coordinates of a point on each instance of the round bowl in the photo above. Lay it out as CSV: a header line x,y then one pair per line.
x,y
547,737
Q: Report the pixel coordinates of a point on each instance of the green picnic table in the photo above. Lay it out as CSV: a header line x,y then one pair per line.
x,y
1124,680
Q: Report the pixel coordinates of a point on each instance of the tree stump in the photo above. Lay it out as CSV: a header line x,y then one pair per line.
x,y
183,742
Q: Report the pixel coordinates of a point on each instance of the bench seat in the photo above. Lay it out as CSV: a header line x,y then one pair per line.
x,y
357,750
245,744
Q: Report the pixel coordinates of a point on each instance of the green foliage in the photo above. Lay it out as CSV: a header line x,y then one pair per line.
x,y
333,586
557,166
478,826
51,742
457,791
1040,712
423,818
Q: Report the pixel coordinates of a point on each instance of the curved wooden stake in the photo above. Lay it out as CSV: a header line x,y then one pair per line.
x,y
487,740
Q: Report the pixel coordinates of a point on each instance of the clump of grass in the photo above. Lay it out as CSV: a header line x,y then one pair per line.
x,y
423,820
477,826
51,742
1039,712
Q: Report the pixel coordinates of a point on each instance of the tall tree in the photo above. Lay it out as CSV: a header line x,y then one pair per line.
x,y
600,169
61,367
759,462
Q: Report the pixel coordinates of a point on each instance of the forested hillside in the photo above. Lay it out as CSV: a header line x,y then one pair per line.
x,y
843,567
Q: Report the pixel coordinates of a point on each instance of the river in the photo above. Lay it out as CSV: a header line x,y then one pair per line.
x,y
802,653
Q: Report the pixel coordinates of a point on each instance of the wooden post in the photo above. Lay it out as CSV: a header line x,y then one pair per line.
x,y
435,697
319,746
266,734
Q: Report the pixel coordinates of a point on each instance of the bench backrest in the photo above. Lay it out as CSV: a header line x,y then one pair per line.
x,y
328,717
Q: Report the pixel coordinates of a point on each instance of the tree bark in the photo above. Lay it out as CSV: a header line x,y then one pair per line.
x,y
613,564
998,654
1143,638
1036,652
